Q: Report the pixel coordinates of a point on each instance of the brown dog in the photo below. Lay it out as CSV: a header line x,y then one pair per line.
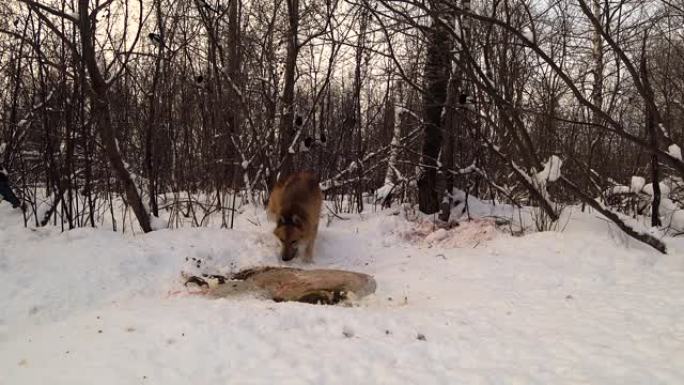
x,y
295,204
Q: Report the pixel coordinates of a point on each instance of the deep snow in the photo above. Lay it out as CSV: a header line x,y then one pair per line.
x,y
581,306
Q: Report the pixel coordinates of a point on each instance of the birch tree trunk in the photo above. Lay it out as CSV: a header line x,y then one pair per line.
x,y
392,162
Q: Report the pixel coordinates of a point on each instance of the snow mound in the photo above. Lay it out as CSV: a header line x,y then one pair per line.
x,y
664,189
466,234
382,193
675,151
617,190
637,184
158,223
551,171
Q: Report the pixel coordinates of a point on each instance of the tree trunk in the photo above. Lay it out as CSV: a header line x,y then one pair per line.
x,y
287,101
597,58
453,119
653,139
233,98
234,62
596,146
103,118
392,162
151,161
436,74
358,120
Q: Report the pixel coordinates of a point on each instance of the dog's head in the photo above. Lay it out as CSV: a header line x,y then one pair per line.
x,y
290,231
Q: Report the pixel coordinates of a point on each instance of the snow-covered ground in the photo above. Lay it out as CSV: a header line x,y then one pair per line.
x,y
474,305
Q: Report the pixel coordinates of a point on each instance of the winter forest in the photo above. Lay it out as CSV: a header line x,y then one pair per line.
x,y
188,106
153,129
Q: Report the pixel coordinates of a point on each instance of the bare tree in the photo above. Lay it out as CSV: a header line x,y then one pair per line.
x,y
436,74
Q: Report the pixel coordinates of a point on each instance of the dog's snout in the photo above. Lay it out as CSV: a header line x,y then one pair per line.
x,y
288,253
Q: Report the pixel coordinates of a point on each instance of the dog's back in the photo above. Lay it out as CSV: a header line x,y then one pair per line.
x,y
295,204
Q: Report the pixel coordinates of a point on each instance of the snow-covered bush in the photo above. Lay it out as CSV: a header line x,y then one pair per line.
x,y
636,200
549,174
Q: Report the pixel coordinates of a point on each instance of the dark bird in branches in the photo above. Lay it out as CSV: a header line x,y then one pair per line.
x,y
308,142
463,99
156,39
